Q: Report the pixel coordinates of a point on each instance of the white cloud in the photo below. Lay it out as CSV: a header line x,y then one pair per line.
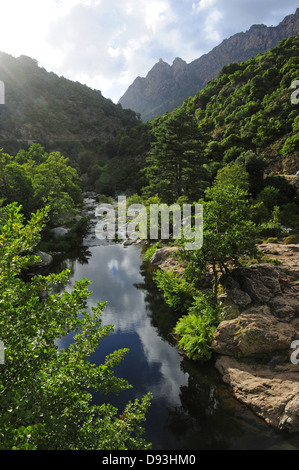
x,y
157,15
203,4
210,25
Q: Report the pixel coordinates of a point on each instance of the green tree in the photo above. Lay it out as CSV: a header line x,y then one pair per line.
x,y
19,187
254,166
57,184
36,153
46,401
233,175
270,197
228,231
175,165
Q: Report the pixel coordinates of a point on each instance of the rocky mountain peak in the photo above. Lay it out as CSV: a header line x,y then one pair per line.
x,y
166,87
179,63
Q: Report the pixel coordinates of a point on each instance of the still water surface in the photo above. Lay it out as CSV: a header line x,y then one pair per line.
x,y
192,408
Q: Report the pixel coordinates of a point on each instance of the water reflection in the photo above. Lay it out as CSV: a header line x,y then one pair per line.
x,y
192,409
114,272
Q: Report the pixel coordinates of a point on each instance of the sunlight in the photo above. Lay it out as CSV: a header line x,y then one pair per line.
x,y
24,26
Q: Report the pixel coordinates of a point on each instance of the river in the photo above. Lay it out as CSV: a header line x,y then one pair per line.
x,y
192,409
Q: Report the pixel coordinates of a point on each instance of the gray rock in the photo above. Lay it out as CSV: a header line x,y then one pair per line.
x,y
254,333
162,254
59,231
239,297
45,259
273,396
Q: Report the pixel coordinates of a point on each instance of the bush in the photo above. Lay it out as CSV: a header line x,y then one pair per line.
x,y
289,215
274,261
197,328
290,145
271,240
177,292
271,229
290,239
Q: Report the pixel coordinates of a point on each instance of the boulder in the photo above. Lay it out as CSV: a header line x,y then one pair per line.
x,y
253,333
260,322
45,260
274,396
260,282
239,297
60,231
162,255
164,258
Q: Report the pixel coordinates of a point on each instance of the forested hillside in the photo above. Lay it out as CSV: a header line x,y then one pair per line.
x,y
224,149
58,113
103,142
245,115
249,108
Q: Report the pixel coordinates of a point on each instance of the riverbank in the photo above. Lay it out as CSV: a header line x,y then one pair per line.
x,y
260,321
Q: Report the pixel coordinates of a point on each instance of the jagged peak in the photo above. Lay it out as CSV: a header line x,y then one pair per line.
x,y
291,15
256,27
159,66
162,62
178,60
187,79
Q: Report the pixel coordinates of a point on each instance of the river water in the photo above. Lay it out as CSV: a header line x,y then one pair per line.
x,y
192,409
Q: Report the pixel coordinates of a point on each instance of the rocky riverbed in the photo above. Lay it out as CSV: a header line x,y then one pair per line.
x,y
253,343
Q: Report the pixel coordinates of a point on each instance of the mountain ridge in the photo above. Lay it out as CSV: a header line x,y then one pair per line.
x,y
155,94
54,111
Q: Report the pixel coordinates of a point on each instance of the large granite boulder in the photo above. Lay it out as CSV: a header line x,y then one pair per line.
x,y
253,342
272,395
254,333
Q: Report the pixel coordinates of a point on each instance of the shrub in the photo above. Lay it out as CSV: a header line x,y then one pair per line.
x,y
271,240
290,145
270,229
177,292
290,239
274,261
197,328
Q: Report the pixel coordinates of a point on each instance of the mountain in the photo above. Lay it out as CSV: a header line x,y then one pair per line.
x,y
54,111
248,111
166,86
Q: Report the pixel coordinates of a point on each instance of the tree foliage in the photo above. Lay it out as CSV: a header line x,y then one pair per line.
x,y
175,160
46,391
35,178
228,230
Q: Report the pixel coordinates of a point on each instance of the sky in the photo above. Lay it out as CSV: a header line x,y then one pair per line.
x,y
106,44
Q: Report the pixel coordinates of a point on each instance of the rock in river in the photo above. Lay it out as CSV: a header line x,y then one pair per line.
x,y
45,259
